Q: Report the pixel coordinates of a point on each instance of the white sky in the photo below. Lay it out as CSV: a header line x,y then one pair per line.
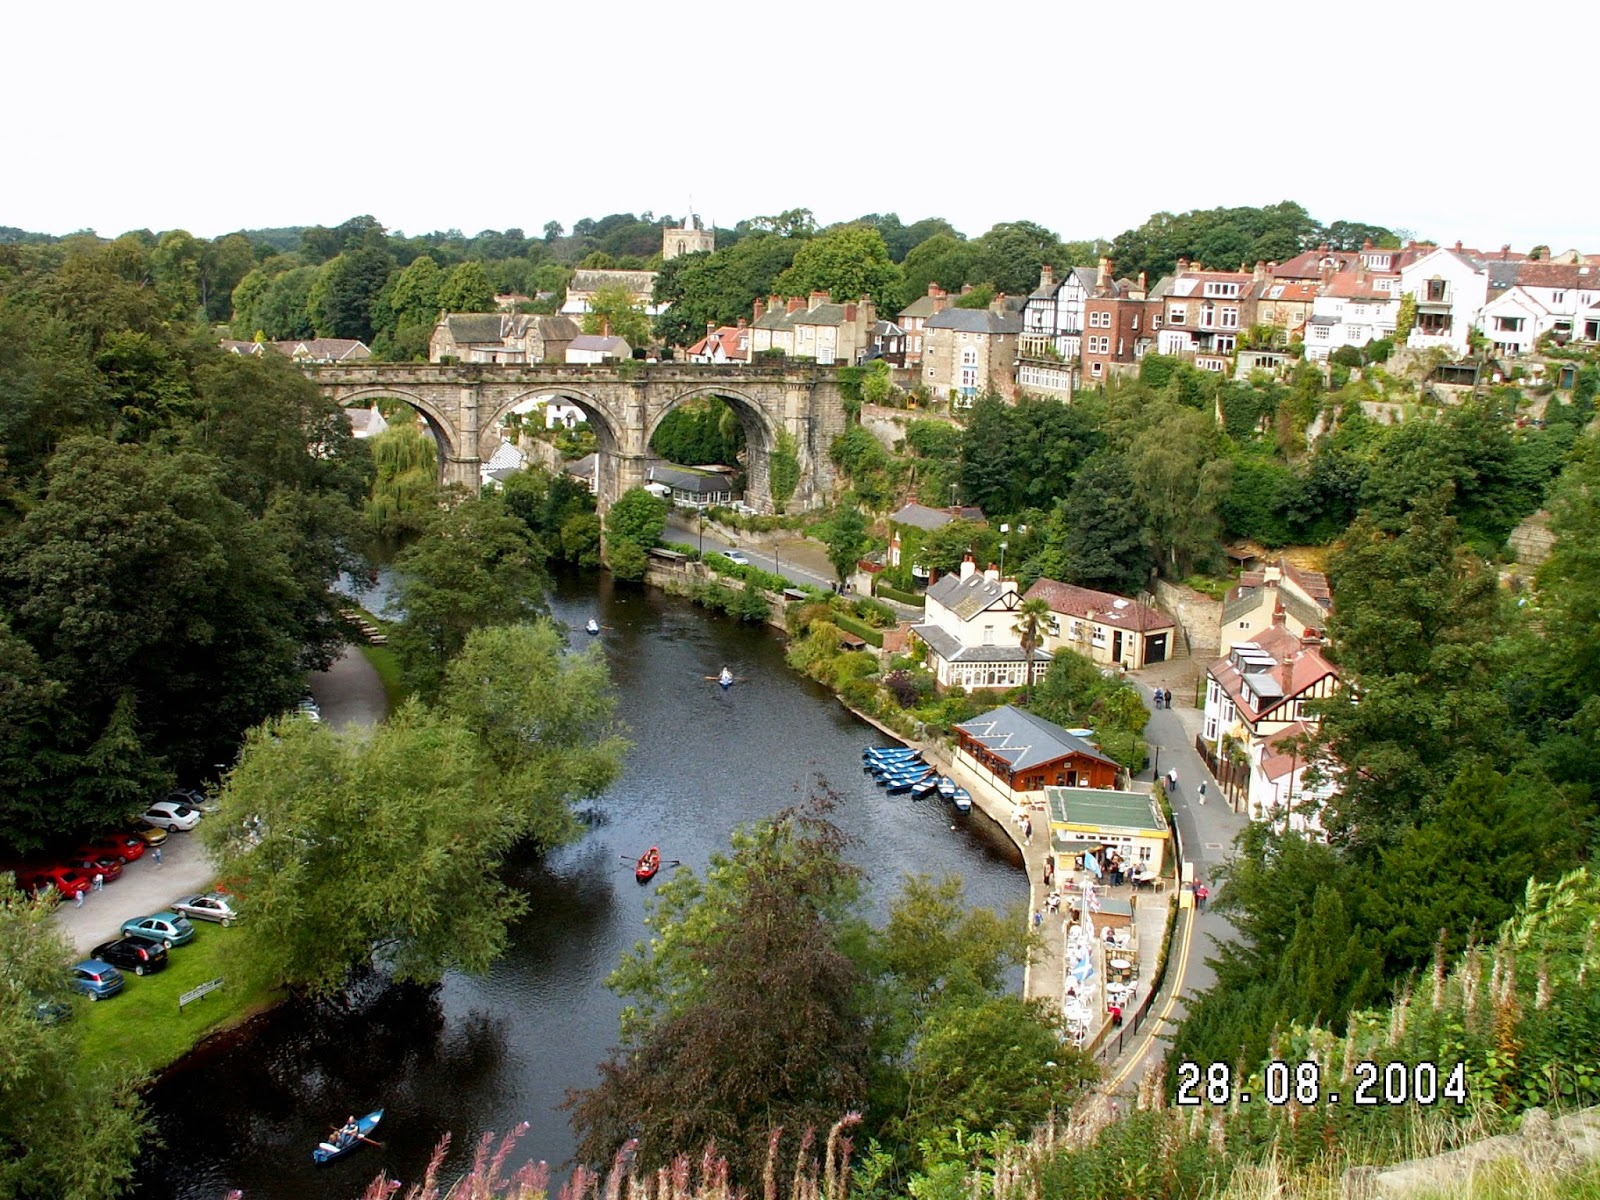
x,y
1454,120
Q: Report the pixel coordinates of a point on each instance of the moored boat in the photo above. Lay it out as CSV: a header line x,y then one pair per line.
x,y
340,1143
947,787
962,800
904,783
592,628
924,787
649,863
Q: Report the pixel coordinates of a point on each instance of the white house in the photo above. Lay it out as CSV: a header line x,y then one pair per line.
x,y
592,349
1450,290
1297,598
1052,316
1351,309
1513,321
1529,299
969,629
506,461
1279,790
1102,626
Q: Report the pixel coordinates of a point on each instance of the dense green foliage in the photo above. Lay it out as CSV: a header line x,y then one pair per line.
x,y
763,999
170,516
700,433
68,1130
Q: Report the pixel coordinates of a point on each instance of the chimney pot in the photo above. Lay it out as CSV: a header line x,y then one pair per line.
x,y
965,288
1458,245
968,567
850,313
1047,275
794,304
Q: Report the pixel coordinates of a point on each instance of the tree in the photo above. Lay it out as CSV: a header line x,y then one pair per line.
x,y
1178,484
945,259
850,263
846,538
1033,617
341,299
638,517
614,307
476,564
783,469
354,846
1105,546
69,1129
467,289
542,717
405,491
1010,255
745,1010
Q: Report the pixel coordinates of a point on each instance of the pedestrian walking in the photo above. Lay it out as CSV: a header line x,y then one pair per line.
x,y
1201,791
1172,780
1200,894
1027,831
77,897
1038,917
99,881
156,850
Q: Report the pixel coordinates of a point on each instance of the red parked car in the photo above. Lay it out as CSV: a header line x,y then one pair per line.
x,y
92,864
126,846
65,880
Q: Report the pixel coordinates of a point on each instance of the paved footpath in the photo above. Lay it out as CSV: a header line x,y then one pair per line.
x,y
349,693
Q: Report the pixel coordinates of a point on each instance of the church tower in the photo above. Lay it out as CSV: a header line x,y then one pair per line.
x,y
690,239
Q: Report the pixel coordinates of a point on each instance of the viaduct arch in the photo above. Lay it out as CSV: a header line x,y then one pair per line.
x,y
463,404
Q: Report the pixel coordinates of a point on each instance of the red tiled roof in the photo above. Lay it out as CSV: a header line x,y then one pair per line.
x,y
1312,583
729,337
1359,285
1281,758
1558,275
1106,607
1298,669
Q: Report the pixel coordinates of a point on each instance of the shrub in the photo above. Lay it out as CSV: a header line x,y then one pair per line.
x,y
879,615
890,592
860,628
902,687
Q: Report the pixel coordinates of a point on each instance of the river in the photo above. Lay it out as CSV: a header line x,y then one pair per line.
x,y
484,1053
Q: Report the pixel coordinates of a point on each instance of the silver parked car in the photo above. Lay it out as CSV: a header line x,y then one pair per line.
x,y
208,906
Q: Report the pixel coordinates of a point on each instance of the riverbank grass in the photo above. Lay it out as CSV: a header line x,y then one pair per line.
x,y
142,1027
385,662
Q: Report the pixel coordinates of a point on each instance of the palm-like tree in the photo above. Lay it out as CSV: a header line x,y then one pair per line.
x,y
1032,615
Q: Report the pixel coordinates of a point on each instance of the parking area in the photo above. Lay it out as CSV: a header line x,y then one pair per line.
x,y
143,888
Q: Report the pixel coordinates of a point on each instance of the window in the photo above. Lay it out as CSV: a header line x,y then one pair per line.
x,y
1508,324
1229,318
1321,331
1135,319
1557,297
1437,290
1095,368
1176,314
988,635
969,358
1222,289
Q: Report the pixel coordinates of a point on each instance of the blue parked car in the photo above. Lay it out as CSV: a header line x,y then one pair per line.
x,y
168,928
96,980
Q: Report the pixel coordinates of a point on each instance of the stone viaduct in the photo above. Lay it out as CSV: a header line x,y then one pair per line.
x,y
463,404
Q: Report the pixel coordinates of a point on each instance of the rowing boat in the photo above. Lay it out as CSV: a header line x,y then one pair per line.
x,y
649,864
340,1144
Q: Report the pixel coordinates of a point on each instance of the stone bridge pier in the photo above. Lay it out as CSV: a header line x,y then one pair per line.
x,y
464,404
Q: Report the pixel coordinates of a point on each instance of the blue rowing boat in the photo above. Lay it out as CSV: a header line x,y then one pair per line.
x,y
962,800
924,787
339,1144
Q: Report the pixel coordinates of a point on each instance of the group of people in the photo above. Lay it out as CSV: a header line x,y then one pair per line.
x,y
1162,697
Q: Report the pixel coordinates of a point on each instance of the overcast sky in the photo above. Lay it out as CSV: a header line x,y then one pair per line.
x,y
1433,118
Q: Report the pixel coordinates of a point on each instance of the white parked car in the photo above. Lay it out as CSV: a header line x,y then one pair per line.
x,y
737,556
170,815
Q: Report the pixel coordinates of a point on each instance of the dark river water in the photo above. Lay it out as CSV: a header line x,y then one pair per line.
x,y
484,1053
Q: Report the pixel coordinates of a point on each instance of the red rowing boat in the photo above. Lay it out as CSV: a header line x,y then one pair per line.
x,y
649,864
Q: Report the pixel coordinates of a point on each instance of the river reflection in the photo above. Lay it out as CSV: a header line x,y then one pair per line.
x,y
483,1053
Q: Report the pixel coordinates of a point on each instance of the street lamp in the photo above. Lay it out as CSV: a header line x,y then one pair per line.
x,y
1002,560
775,569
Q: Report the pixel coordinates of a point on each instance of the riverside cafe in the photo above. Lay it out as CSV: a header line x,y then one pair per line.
x,y
1103,822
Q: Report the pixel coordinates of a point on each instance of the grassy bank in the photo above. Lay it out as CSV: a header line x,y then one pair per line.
x,y
143,1028
387,665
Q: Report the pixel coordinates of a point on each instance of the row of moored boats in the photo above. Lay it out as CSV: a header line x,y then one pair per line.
x,y
902,769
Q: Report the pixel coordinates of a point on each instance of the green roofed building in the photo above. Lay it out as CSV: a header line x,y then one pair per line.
x,y
1089,818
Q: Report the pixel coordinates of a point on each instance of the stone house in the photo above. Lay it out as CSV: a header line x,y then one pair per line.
x,y
305,351
814,327
501,338
970,351
969,631
1199,314
1104,627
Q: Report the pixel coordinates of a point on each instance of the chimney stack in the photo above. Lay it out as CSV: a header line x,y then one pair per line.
x,y
1047,275
998,304
1102,275
992,573
711,326
741,319
1260,272
794,304
941,298
1505,251
818,298
761,308
1458,245
968,567
965,288
850,314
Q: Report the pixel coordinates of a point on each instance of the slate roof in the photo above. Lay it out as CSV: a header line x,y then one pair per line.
x,y
952,649
688,479
593,280
600,342
975,320
920,516
922,306
1023,740
970,596
1108,608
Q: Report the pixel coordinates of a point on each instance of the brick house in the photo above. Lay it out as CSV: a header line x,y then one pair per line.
x,y
1118,325
1200,313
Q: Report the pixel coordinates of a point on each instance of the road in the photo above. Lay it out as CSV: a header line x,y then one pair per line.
x,y
349,693
797,559
1208,831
